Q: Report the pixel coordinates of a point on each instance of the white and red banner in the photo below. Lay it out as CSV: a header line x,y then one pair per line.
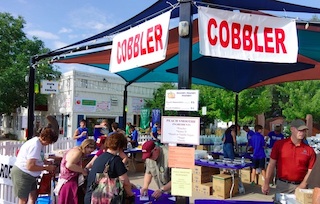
x,y
247,37
141,45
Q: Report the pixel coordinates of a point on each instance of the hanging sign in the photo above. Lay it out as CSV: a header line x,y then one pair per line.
x,y
247,37
180,130
141,45
49,87
182,100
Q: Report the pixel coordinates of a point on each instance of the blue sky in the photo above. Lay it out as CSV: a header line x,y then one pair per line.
x,y
61,22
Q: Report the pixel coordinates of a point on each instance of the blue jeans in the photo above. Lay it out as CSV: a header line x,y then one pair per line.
x,y
228,151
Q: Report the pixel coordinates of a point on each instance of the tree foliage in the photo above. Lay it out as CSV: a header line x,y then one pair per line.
x,y
159,97
220,103
299,99
15,53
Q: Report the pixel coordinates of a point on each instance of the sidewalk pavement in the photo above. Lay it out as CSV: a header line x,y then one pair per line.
x,y
252,193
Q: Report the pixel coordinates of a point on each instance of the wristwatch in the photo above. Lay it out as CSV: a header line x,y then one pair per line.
x,y
162,189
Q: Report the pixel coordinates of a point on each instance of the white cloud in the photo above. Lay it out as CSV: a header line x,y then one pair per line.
x,y
42,34
65,30
73,36
91,19
59,44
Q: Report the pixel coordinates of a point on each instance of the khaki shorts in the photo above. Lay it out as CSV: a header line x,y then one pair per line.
x,y
23,183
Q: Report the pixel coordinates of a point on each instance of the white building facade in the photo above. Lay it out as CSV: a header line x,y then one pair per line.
x,y
92,97
95,97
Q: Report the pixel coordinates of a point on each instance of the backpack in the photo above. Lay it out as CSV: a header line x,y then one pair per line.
x,y
107,190
159,167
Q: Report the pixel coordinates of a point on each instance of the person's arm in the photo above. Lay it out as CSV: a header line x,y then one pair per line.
x,y
76,134
89,165
32,166
303,184
123,156
126,184
265,188
146,182
158,193
72,158
234,137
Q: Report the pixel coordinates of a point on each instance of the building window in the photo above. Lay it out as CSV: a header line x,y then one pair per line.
x,y
84,83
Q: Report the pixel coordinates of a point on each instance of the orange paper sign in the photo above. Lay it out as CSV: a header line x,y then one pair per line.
x,y
181,157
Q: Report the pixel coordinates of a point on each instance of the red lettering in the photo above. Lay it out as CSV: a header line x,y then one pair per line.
x,y
123,50
212,22
129,52
158,37
236,41
149,40
136,45
280,37
143,50
118,53
247,41
257,47
268,40
224,26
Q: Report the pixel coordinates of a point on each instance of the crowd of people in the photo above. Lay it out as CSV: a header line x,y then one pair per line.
x,y
291,160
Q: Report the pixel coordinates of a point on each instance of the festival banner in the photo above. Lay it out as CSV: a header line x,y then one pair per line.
x,y
249,37
145,118
141,45
156,116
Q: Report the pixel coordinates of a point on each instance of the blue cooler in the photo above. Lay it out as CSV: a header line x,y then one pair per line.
x,y
43,200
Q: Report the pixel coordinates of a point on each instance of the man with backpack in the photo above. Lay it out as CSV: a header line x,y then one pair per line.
x,y
156,160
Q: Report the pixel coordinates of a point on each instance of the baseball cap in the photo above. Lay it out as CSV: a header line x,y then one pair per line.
x,y
299,124
149,150
101,140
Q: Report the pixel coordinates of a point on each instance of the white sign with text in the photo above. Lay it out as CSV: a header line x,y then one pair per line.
x,y
180,130
248,37
182,100
49,87
141,45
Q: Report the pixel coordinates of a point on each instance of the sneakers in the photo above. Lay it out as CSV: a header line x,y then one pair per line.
x,y
253,183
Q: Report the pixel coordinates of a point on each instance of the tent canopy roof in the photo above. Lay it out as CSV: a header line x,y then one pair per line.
x,y
235,75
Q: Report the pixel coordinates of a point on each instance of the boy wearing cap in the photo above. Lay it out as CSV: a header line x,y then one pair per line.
x,y
293,160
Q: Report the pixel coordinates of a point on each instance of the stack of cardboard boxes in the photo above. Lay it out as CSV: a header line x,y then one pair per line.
x,y
202,179
246,177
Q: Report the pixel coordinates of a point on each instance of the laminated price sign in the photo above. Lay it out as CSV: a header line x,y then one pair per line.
x,y
182,100
180,130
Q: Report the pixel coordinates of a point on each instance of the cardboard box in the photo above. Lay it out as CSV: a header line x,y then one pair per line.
x,y
221,185
201,147
304,195
245,175
201,170
206,189
204,178
196,187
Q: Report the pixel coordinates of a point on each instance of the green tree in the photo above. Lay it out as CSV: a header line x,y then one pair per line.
x,y
158,100
299,99
220,103
15,52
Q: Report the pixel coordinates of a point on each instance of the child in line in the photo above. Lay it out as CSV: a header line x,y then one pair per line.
x,y
259,156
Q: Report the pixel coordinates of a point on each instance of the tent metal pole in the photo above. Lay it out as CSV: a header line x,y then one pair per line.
x,y
185,61
31,98
236,111
125,101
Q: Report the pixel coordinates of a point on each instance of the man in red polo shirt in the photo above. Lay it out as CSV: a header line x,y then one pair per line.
x,y
293,160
